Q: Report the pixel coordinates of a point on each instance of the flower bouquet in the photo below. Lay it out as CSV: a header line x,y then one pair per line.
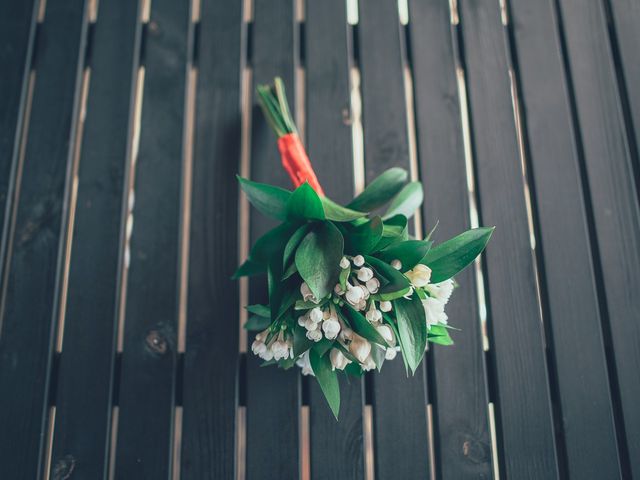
x,y
348,286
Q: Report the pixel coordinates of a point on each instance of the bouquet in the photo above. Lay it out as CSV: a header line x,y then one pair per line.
x,y
348,287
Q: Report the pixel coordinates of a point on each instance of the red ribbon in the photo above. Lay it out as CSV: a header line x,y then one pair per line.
x,y
296,162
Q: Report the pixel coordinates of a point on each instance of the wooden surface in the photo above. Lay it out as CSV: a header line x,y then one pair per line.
x,y
547,388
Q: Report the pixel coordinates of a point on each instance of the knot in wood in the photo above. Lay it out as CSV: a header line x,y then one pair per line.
x,y
63,468
157,342
474,450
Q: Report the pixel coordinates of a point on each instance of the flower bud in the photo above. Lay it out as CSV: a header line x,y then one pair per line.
x,y
331,328
344,263
419,276
362,305
307,294
397,264
385,306
386,333
302,319
359,348
365,274
358,260
315,335
373,285
338,289
373,315
315,315
338,360
310,325
354,294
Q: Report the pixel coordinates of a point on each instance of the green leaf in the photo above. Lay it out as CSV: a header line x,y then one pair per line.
x,y
361,326
300,341
378,355
304,204
354,370
327,379
397,284
409,252
363,238
268,199
441,339
318,258
260,310
394,230
380,190
249,268
389,321
450,257
322,346
412,330
257,323
292,244
271,244
344,275
338,213
407,201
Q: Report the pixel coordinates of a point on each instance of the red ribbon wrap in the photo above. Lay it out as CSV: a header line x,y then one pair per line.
x,y
296,162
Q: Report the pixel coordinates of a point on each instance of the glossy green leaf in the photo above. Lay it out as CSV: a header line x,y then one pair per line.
x,y
363,238
300,341
272,242
412,330
443,339
318,258
257,323
361,325
354,370
260,310
268,199
327,379
450,257
407,201
381,190
249,268
338,213
396,283
304,204
292,244
409,252
394,230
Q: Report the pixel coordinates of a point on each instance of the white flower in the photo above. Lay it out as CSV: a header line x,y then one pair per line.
x,y
331,328
307,294
315,315
344,263
373,315
304,363
280,348
368,364
338,289
441,291
346,334
391,353
365,274
434,311
397,264
419,276
310,325
359,347
385,306
362,305
354,294
315,335
338,360
386,333
302,320
258,348
373,285
358,260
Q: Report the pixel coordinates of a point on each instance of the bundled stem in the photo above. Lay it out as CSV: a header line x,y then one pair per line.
x,y
273,100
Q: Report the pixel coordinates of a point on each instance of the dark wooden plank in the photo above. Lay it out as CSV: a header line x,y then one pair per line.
x,y
17,32
514,319
399,403
460,399
84,391
572,306
210,392
30,307
614,198
273,395
336,447
147,379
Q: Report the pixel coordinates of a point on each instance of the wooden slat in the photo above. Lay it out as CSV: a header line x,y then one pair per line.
x,y
84,391
614,198
336,447
210,392
572,306
273,395
30,307
462,439
17,31
147,382
516,330
399,403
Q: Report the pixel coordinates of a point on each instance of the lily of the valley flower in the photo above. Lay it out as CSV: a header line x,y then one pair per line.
x,y
338,360
358,260
331,328
315,314
419,276
397,264
280,348
315,335
390,353
355,294
307,294
386,333
359,347
259,346
373,285
304,363
344,263
385,306
368,364
434,311
373,315
365,274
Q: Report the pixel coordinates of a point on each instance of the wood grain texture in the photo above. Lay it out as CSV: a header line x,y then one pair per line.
x,y
273,395
147,379
336,447
399,403
17,33
462,440
516,328
613,196
84,390
30,309
210,377
571,298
